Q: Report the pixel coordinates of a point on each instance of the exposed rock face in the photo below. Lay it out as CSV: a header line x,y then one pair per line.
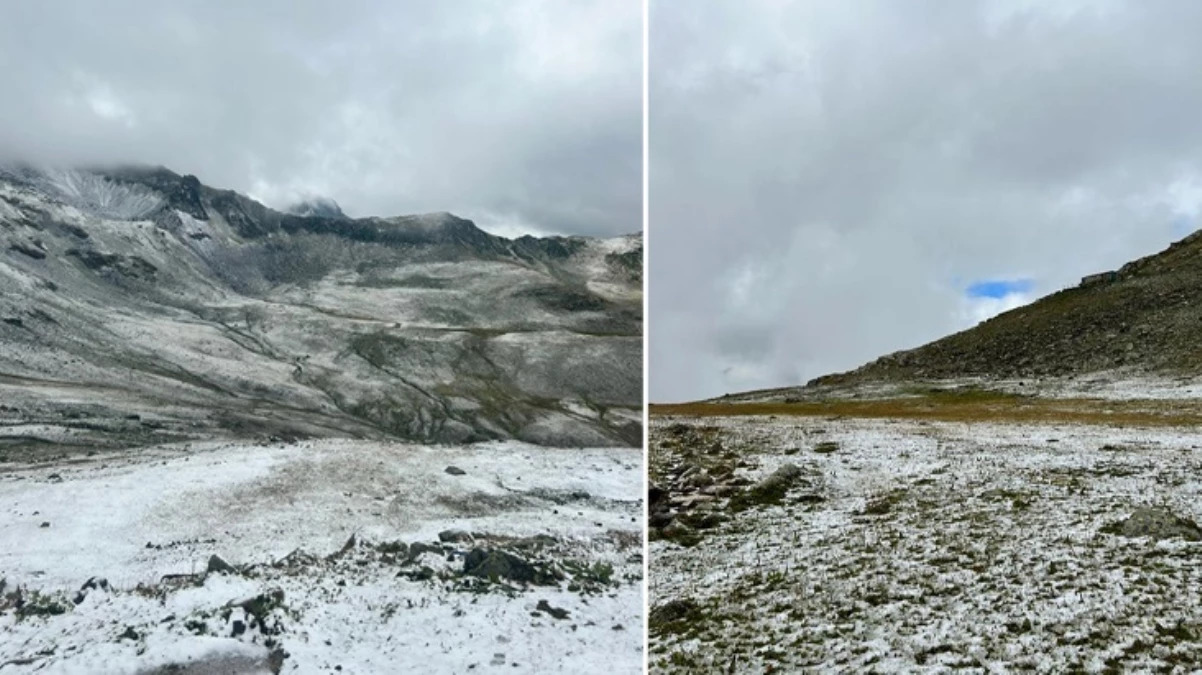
x,y
1143,317
142,306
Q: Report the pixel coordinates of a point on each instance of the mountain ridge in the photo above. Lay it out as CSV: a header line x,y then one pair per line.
x,y
1137,322
416,327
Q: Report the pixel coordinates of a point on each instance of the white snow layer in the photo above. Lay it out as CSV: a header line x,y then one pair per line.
x,y
155,512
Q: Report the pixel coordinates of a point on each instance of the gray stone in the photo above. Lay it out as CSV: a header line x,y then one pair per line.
x,y
496,565
1153,523
454,536
555,612
216,564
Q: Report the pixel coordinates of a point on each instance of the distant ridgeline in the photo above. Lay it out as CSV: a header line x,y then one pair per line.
x,y
162,308
1100,278
1141,318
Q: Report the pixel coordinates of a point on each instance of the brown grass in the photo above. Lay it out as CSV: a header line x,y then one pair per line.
x,y
979,408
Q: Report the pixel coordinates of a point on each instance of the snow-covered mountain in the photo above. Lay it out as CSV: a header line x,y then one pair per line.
x,y
321,207
139,306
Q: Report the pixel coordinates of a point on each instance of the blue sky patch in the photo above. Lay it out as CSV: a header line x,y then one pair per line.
x,y
998,288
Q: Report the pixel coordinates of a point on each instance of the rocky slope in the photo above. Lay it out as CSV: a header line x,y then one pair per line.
x,y
1142,319
139,306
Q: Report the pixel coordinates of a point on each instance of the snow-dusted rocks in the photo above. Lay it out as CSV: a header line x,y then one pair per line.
x,y
925,546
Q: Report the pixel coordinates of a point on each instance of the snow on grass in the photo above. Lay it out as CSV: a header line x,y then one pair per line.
x,y
147,523
924,547
1115,385
1121,386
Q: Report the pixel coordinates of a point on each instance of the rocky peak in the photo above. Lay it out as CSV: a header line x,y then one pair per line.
x,y
317,207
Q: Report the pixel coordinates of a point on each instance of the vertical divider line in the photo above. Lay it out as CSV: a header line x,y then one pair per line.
x,y
646,342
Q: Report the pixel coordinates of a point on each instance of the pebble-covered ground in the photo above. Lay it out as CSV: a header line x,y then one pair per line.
x,y
910,546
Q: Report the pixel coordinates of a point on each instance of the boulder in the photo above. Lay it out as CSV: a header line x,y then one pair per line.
x,y
218,565
1154,523
496,564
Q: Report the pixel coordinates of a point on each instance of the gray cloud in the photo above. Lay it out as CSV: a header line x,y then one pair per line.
x,y
525,115
826,178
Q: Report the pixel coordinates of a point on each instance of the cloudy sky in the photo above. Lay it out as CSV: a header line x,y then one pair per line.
x,y
524,115
833,181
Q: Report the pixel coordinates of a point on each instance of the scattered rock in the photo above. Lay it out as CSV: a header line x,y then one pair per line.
x,y
455,536
455,471
260,607
496,564
677,429
296,558
422,574
691,501
655,495
537,542
660,519
1154,523
347,547
275,660
720,490
680,533
418,548
93,583
219,566
705,521
397,548
555,612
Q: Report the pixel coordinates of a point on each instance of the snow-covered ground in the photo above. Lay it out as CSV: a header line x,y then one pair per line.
x,y
1117,386
1114,385
911,546
301,600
